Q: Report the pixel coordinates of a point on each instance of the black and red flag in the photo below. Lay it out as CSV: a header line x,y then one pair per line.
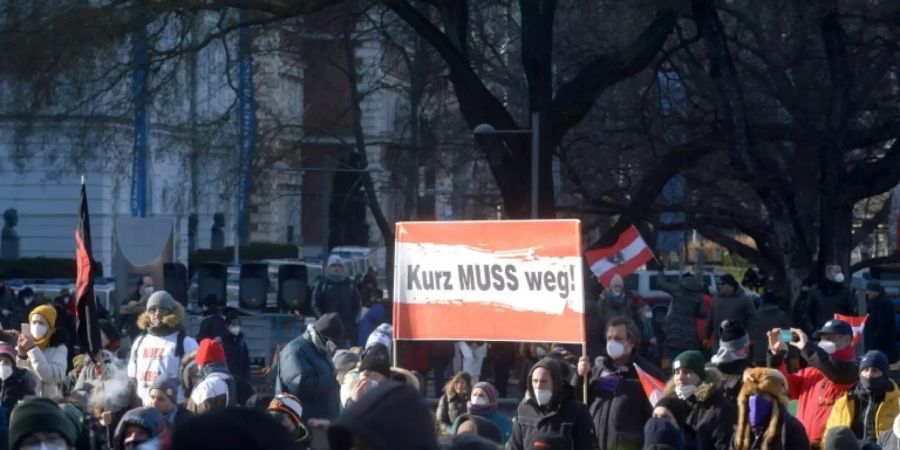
x,y
88,325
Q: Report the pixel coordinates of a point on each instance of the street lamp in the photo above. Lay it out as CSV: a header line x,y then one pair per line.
x,y
486,129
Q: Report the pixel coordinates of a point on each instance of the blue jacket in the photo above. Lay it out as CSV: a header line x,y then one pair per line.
x,y
307,372
369,321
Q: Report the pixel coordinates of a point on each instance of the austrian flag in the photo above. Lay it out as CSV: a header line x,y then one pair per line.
x,y
858,323
629,253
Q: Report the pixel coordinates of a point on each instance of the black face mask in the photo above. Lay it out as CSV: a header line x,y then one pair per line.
x,y
874,385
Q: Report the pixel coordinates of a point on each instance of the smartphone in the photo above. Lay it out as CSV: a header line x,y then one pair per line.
x,y
26,330
785,335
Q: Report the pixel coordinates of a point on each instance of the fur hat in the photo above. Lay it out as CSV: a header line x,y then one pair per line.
x,y
761,381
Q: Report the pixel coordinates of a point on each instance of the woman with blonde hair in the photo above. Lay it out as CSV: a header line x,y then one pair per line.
x,y
452,403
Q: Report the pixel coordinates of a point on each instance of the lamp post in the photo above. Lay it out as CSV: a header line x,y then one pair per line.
x,y
486,129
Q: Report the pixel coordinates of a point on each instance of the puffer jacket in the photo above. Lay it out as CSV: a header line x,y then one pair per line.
x,y
305,370
341,297
710,424
687,306
824,300
15,388
563,415
845,411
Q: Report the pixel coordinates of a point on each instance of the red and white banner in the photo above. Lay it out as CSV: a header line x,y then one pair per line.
x,y
653,386
629,253
489,281
858,323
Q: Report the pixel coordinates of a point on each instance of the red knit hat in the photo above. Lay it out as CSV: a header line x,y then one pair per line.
x,y
210,351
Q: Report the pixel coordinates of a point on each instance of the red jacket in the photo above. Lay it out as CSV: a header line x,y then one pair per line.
x,y
818,386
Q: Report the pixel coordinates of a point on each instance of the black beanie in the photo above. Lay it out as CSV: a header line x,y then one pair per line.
x,y
330,326
376,359
661,431
730,280
678,407
876,359
731,330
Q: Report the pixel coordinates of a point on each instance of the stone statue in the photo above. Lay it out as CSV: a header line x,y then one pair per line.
x,y
9,244
218,232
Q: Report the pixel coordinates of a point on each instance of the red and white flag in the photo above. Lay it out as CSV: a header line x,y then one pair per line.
x,y
858,323
629,253
653,386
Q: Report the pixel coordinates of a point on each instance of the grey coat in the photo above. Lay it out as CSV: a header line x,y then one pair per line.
x,y
737,308
687,306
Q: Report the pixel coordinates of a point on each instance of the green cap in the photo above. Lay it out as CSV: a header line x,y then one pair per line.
x,y
693,360
39,415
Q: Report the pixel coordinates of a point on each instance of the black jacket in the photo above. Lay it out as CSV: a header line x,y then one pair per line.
x,y
15,388
563,415
237,356
824,300
768,316
687,305
181,415
733,378
213,326
619,415
710,424
881,327
340,297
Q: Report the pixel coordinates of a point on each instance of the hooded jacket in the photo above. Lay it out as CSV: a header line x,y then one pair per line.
x,y
237,355
150,419
391,416
845,410
619,413
563,414
306,371
687,306
817,387
155,352
215,389
711,421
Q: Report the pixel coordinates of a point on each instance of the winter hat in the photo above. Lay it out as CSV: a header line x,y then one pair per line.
x,y
473,442
376,359
761,381
617,281
39,415
482,426
678,407
391,416
288,405
145,417
232,429
548,440
161,300
9,352
660,431
330,326
693,360
840,438
489,390
835,326
47,311
209,351
344,360
732,338
381,335
730,280
335,260
876,359
168,386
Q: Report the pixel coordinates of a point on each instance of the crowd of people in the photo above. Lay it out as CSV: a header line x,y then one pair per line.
x,y
729,384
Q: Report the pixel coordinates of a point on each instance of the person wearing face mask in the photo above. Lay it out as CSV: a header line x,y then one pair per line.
x,y
141,428
868,409
618,404
42,351
213,325
832,370
618,302
215,388
828,297
730,303
237,355
15,383
731,359
710,423
548,406
305,369
764,422
483,403
40,424
157,351
336,293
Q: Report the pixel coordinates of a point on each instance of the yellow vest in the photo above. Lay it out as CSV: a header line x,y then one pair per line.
x,y
843,412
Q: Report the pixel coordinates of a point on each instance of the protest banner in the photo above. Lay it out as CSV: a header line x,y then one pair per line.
x,y
489,281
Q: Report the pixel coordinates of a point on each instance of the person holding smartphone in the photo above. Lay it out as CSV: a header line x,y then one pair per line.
x,y
42,350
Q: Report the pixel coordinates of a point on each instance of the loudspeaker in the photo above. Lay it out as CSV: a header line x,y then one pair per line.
x,y
254,285
211,280
175,281
292,287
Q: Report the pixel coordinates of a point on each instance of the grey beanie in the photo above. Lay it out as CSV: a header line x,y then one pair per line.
x,y
161,299
345,360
